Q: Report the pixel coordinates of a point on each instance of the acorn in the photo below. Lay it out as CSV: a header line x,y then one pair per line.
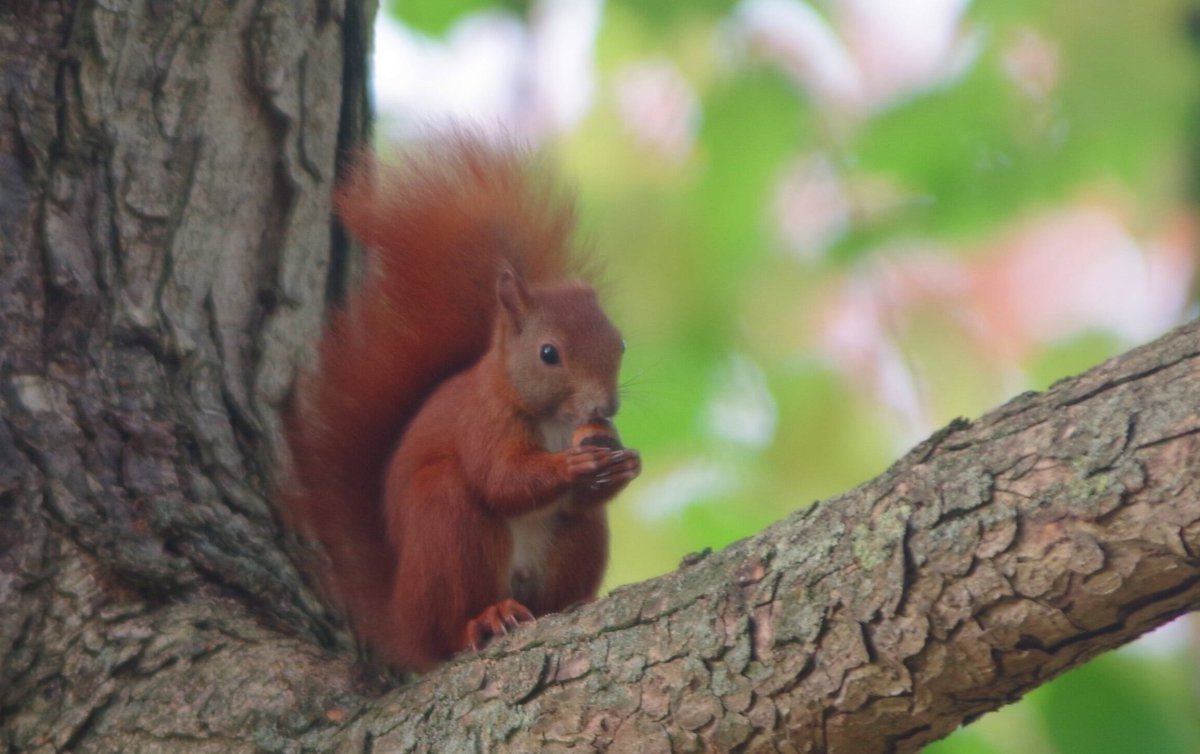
x,y
598,433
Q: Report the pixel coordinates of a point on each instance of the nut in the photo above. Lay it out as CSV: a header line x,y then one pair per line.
x,y
599,433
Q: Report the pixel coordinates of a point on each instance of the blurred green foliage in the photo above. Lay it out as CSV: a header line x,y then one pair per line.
x,y
718,311
437,16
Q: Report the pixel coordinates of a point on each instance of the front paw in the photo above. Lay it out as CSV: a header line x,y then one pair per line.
x,y
584,463
606,470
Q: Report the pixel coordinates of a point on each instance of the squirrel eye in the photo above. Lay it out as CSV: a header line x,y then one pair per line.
x,y
549,354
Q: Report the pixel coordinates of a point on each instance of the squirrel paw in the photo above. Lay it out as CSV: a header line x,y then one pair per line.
x,y
495,621
597,468
593,466
624,466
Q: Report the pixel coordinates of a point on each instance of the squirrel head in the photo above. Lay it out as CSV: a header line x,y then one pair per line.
x,y
560,351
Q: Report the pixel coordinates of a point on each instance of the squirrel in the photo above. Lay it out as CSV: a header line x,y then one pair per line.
x,y
453,449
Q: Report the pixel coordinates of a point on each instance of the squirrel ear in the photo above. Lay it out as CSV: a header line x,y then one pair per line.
x,y
514,298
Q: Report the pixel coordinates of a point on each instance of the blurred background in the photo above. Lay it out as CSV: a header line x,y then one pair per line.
x,y
831,227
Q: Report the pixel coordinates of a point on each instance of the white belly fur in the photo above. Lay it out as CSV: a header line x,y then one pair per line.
x,y
533,533
531,538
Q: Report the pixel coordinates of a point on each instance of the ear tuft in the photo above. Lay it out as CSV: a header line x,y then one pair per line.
x,y
515,300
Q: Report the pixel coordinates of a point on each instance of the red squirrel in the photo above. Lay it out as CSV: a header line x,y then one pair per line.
x,y
453,450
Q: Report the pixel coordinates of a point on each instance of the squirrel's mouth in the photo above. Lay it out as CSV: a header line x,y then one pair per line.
x,y
599,433
589,407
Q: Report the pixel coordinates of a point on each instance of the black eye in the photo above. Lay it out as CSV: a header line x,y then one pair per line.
x,y
622,346
549,354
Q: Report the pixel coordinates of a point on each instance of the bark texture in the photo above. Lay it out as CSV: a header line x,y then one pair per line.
x,y
165,243
990,559
165,256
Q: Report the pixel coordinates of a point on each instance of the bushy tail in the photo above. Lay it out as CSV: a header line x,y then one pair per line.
x,y
437,227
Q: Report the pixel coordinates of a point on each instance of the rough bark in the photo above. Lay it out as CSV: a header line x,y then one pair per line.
x,y
165,243
166,254
991,558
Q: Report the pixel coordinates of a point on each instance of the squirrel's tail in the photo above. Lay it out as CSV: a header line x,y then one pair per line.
x,y
437,227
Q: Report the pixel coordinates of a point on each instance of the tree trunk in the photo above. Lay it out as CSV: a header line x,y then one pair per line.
x,y
164,224
165,171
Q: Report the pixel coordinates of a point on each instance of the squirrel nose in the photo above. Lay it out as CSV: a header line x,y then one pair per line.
x,y
605,409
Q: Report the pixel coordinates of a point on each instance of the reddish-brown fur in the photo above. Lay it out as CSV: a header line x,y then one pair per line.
x,y
418,443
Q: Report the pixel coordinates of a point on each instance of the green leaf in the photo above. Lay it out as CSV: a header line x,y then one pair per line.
x,y
436,16
665,13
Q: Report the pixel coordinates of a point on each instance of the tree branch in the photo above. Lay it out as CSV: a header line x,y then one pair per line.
x,y
991,558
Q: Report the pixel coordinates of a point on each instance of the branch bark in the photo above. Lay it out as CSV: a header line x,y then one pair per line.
x,y
166,253
990,559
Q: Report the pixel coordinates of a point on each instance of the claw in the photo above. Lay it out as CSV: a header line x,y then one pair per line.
x,y
494,621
